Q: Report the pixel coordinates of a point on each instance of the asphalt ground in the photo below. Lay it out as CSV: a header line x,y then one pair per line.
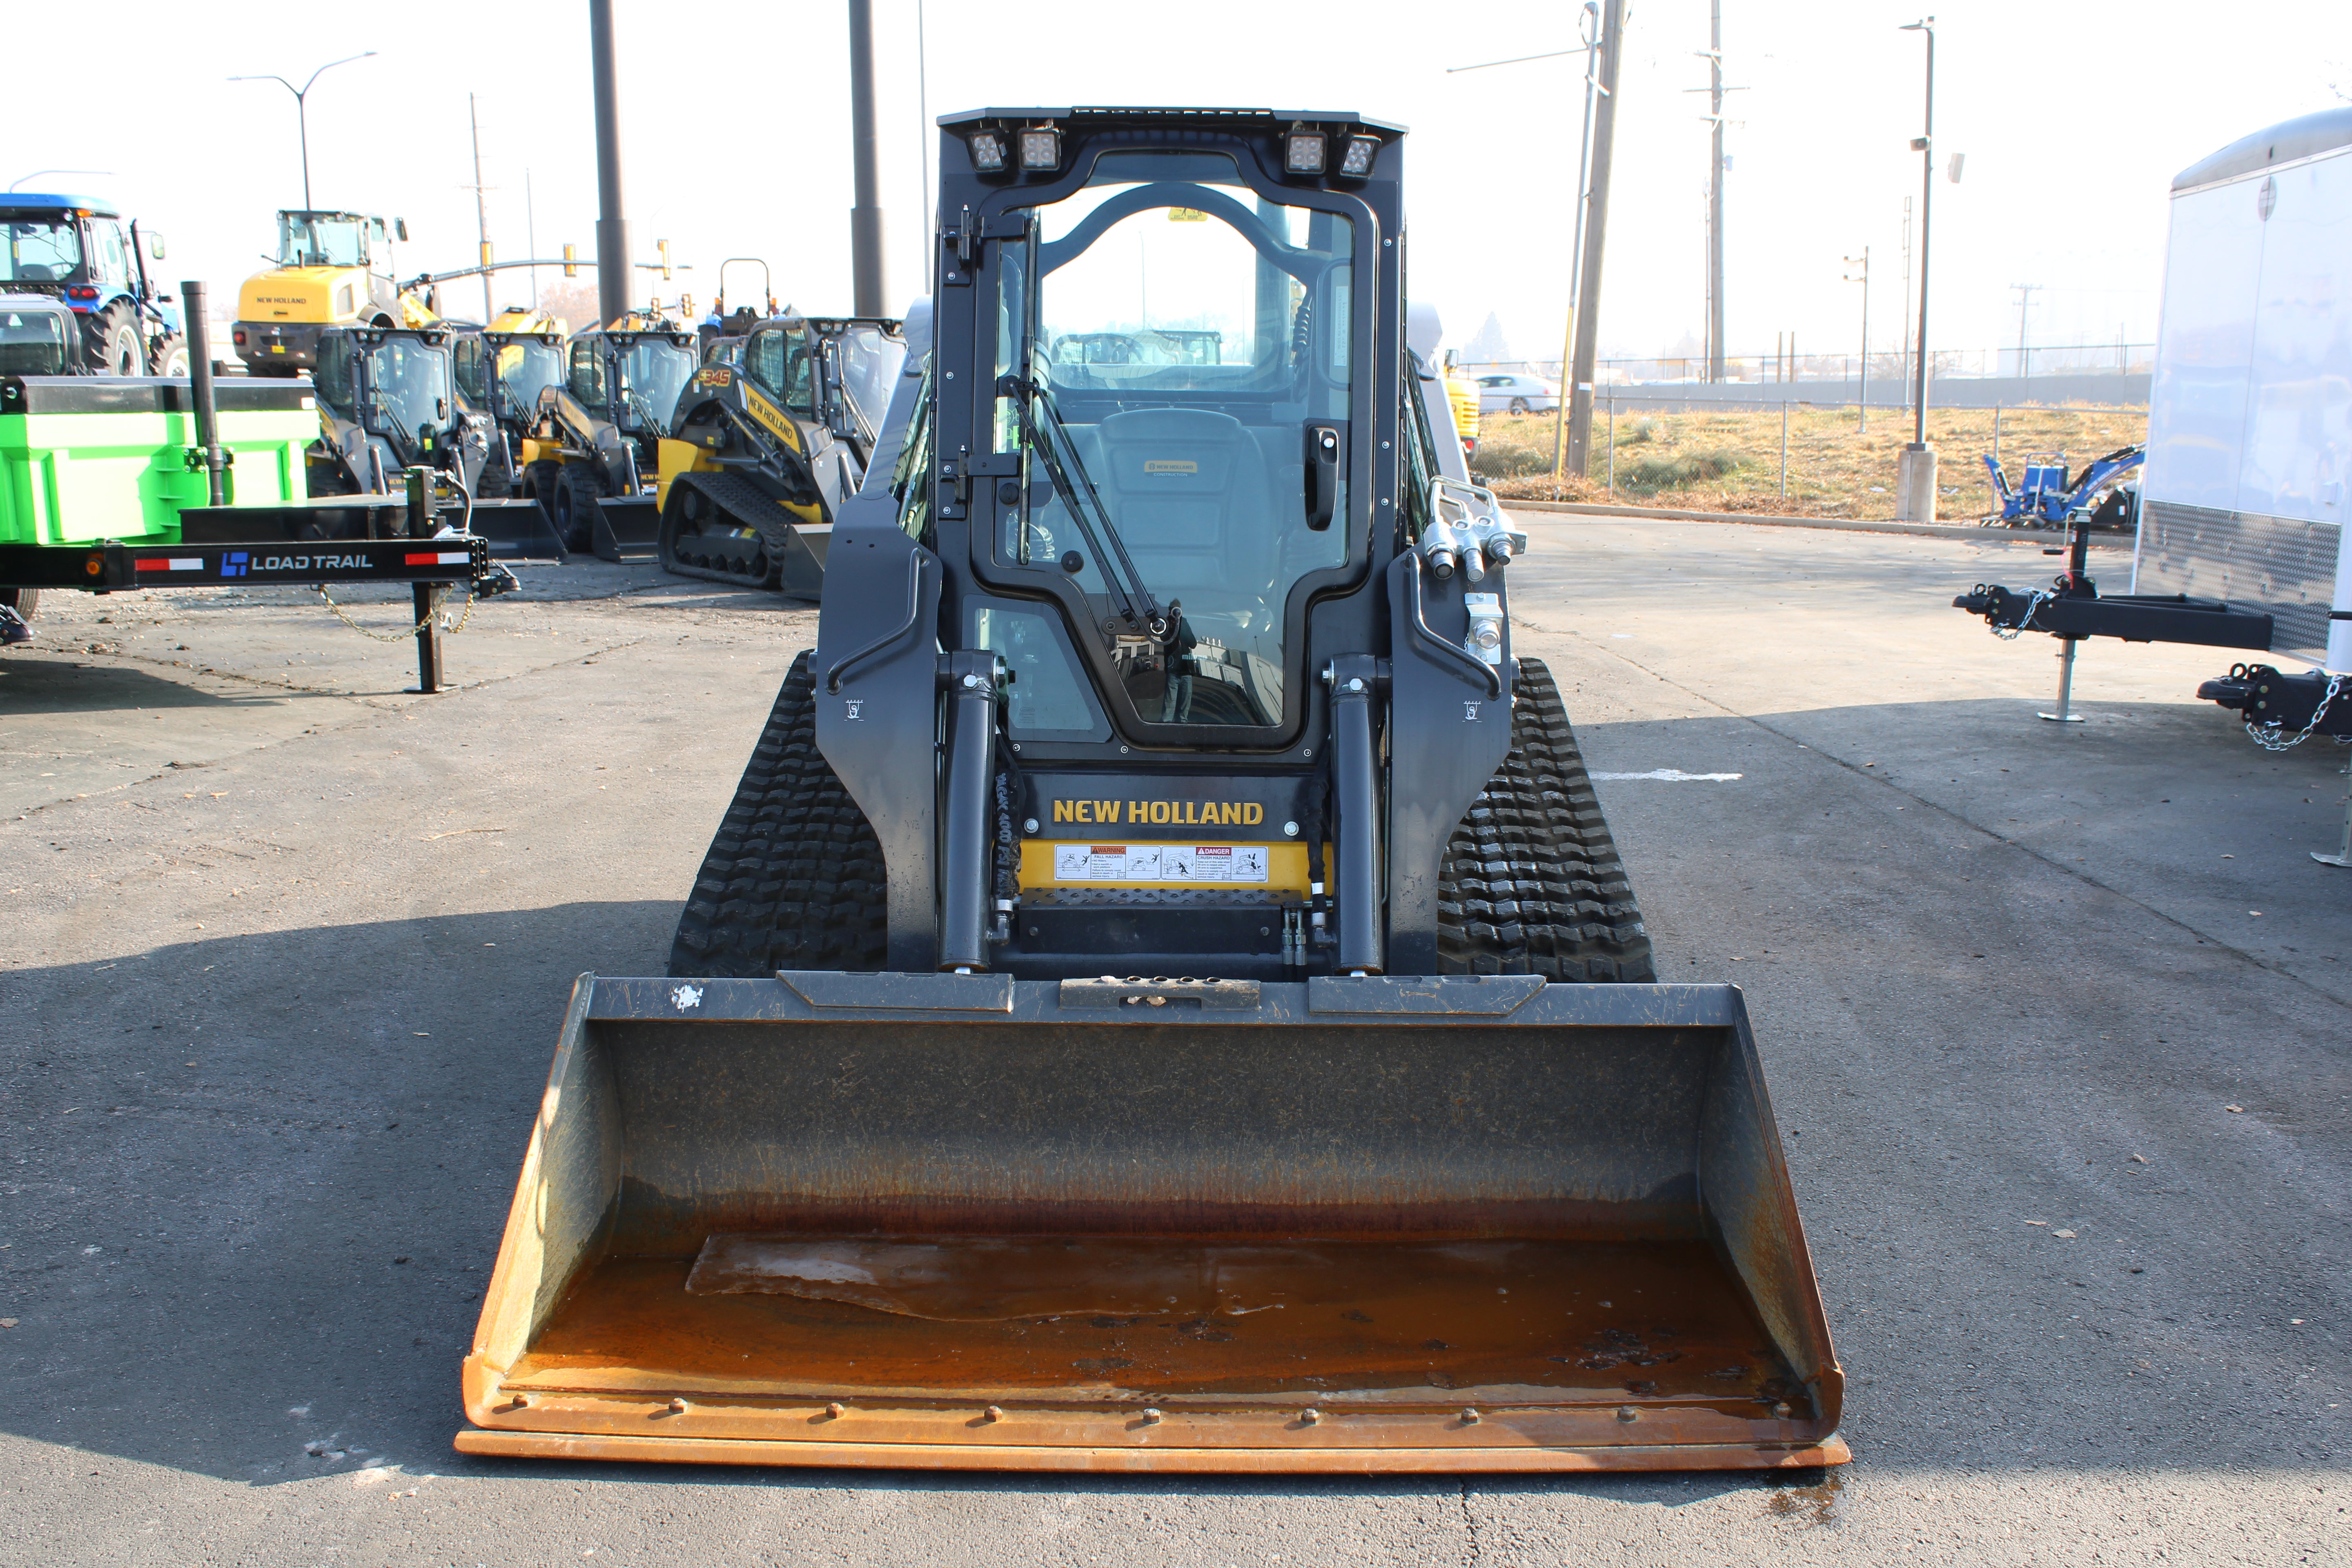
x,y
2055,1022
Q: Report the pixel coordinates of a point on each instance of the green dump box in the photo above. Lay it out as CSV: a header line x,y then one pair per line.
x,y
90,458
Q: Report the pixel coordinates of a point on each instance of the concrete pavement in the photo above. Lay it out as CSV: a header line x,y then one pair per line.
x,y
291,948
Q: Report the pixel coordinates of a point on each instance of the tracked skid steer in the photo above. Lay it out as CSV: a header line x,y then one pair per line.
x,y
767,446
1163,997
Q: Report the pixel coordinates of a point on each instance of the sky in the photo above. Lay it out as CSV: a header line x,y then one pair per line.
x,y
2072,116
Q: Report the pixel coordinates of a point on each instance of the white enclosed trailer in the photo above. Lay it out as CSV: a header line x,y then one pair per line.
x,y
2250,418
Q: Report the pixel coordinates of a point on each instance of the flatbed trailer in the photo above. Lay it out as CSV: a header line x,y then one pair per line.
x,y
99,501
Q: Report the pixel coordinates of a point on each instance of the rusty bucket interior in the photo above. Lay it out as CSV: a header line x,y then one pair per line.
x,y
1348,1224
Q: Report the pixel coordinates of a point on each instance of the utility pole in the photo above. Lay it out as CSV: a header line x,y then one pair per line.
x,y
1587,26
2024,298
481,212
1596,227
530,235
1914,484
1713,55
1862,396
865,216
611,228
1903,366
1714,193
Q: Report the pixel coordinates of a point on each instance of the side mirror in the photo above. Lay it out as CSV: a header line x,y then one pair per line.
x,y
155,246
400,227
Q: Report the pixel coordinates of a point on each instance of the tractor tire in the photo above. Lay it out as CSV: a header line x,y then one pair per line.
x,y
793,881
575,501
111,342
169,356
538,485
1531,883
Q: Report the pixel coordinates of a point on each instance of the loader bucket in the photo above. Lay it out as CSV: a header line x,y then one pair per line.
x,y
962,1221
626,528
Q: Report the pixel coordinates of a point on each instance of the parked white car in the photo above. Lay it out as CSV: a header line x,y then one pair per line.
x,y
1516,395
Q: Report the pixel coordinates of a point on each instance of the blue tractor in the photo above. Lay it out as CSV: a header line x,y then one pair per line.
x,y
79,249
2045,499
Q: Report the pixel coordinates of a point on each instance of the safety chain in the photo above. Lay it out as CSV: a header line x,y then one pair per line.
x,y
344,616
2270,743
2033,600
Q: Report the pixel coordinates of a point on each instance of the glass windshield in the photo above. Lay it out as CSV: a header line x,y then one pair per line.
x,y
473,379
525,367
867,366
778,359
1187,339
409,384
42,252
33,342
653,372
321,240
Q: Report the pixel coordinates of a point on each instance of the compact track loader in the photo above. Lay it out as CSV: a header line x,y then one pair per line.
x,y
768,445
1163,995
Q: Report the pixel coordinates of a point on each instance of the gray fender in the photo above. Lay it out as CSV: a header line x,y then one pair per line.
x,y
1447,734
877,724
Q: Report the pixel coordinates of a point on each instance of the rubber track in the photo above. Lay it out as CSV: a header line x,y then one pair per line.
x,y
793,879
742,503
1531,882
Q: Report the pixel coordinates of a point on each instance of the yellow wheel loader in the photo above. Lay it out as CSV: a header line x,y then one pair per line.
x,y
768,445
1165,997
333,270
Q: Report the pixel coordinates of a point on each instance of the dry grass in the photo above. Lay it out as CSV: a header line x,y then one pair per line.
x,y
1729,460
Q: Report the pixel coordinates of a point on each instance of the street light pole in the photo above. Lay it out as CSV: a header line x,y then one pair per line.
x,y
302,110
1915,485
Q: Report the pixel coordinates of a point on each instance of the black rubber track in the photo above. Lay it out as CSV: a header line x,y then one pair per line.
x,y
1531,882
726,502
793,881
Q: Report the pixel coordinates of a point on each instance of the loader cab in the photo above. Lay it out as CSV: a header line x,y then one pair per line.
x,y
837,371
859,366
309,238
631,378
502,372
37,336
1173,359
388,400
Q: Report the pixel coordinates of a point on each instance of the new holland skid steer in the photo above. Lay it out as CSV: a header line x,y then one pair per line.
x,y
1163,995
593,454
767,449
501,370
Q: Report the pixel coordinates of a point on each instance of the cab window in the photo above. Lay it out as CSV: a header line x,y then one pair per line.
x,y
779,360
588,374
112,266
471,381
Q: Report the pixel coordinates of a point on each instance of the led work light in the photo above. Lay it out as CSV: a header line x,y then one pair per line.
x,y
987,151
1041,148
1304,153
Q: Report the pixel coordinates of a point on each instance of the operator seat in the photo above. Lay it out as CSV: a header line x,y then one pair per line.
x,y
1188,490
